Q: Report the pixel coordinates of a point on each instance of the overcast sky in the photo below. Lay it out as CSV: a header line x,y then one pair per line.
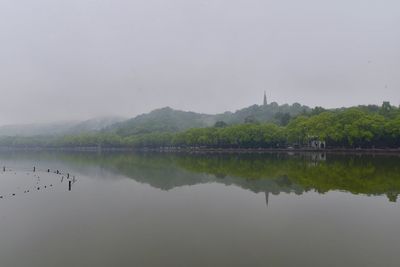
x,y
77,59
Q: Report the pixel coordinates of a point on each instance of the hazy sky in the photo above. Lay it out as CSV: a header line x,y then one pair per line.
x,y
77,59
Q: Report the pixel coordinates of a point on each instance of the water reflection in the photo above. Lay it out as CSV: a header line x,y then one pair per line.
x,y
260,173
198,210
31,181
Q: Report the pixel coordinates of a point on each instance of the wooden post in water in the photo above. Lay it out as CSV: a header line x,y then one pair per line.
x,y
67,175
48,170
4,168
69,185
34,168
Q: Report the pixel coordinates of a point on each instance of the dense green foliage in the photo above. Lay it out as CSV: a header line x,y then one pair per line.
x,y
279,114
359,127
353,127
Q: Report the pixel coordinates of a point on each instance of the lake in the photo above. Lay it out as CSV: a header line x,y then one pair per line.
x,y
165,209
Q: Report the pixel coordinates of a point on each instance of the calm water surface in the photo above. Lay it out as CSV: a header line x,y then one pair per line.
x,y
125,209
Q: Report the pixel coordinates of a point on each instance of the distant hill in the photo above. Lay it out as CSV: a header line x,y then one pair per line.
x,y
161,120
170,120
59,128
94,125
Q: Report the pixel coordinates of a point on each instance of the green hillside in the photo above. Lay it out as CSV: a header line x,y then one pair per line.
x,y
170,120
161,120
263,127
272,112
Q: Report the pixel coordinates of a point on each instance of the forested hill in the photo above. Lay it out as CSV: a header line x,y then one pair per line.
x,y
266,126
279,114
161,120
170,120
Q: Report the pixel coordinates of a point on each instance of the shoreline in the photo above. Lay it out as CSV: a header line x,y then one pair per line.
x,y
209,150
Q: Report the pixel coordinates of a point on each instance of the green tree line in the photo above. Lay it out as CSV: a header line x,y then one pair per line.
x,y
358,127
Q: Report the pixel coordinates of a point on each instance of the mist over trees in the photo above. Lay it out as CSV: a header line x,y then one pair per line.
x,y
266,126
170,120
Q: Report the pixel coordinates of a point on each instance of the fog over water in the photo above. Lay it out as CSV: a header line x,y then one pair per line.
x,y
74,59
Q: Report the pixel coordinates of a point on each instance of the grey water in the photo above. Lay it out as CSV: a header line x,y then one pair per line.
x,y
154,209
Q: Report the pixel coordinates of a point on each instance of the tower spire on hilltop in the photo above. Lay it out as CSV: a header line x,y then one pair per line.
x,y
265,98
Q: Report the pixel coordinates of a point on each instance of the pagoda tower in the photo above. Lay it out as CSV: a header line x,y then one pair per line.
x,y
265,99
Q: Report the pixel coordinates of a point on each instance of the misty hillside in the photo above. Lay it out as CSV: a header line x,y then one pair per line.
x,y
59,128
159,120
162,120
170,120
94,125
